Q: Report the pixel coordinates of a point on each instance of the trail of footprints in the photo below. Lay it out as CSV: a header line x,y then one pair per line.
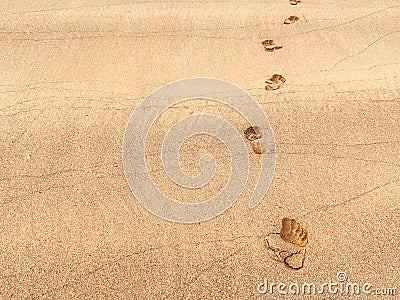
x,y
276,81
289,245
270,45
292,232
291,20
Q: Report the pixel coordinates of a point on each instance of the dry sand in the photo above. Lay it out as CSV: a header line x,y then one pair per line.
x,y
72,72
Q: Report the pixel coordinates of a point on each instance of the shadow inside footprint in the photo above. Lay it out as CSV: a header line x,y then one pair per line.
x,y
253,134
291,20
275,82
270,45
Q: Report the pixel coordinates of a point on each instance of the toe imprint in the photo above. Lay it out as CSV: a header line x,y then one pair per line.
x,y
293,232
288,246
274,82
253,133
270,45
291,20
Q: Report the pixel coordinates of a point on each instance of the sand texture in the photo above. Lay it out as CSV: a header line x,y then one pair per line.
x,y
72,73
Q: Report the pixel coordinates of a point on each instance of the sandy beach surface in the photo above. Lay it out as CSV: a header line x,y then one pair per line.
x,y
72,73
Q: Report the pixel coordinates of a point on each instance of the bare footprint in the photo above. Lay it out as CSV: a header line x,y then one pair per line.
x,y
274,82
253,134
289,249
291,20
294,2
293,232
270,45
257,147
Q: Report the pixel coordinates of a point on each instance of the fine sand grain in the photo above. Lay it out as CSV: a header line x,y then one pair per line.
x,y
72,73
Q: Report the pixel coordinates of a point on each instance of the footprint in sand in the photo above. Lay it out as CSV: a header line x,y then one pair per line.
x,y
293,232
253,134
294,2
270,45
288,246
291,20
274,82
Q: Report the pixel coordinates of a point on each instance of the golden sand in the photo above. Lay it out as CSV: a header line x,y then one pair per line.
x,y
72,73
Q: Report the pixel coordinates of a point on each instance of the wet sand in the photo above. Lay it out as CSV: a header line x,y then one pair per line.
x,y
72,74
